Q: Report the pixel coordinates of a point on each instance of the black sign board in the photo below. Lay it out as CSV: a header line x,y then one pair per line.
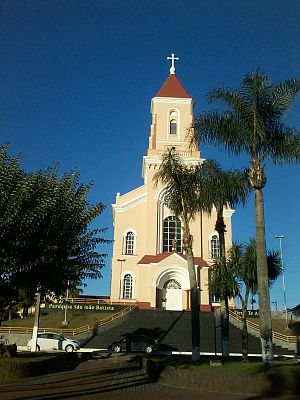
x,y
249,313
80,307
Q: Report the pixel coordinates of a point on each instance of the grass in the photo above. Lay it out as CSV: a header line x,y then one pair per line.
x,y
279,325
233,376
54,319
254,364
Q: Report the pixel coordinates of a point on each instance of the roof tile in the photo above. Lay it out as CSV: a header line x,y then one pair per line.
x,y
156,258
173,88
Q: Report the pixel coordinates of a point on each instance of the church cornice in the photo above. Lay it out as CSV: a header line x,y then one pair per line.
x,y
156,160
168,100
119,208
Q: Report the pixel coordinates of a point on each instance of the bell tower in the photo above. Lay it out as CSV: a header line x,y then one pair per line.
x,y
172,116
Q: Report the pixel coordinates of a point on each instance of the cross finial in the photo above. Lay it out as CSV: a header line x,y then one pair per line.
x,y
173,58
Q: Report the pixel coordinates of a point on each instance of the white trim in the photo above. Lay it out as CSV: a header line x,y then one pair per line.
x,y
157,160
130,230
179,142
180,258
132,274
169,136
176,272
130,204
160,194
214,233
168,100
124,242
228,212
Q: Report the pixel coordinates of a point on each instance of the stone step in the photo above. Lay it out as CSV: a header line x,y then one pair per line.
x,y
173,330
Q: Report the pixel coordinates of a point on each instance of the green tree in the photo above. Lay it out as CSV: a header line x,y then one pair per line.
x,y
238,277
44,236
251,122
182,197
222,189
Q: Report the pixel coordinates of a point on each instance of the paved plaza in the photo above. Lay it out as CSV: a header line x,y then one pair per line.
x,y
105,378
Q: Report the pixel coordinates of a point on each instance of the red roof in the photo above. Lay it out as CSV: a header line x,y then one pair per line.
x,y
172,88
148,259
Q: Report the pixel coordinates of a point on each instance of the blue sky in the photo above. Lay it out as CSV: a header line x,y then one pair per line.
x,y
77,77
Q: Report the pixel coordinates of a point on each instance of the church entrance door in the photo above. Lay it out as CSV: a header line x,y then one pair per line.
x,y
173,295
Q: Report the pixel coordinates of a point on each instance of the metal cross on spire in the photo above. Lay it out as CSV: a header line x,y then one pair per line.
x,y
173,58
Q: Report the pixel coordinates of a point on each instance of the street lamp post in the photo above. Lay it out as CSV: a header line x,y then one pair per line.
x,y
121,260
65,321
280,237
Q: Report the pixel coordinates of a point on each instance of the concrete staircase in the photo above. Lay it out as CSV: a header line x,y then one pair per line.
x,y
173,330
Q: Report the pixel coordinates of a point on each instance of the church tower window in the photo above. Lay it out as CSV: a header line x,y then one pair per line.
x,y
214,247
172,234
127,287
173,127
173,122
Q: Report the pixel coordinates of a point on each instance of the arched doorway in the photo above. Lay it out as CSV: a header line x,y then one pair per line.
x,y
172,284
172,293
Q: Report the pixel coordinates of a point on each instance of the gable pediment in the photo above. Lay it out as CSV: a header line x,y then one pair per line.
x,y
170,257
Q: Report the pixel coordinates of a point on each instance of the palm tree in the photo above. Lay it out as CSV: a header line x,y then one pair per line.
x,y
189,191
182,197
251,123
222,189
241,269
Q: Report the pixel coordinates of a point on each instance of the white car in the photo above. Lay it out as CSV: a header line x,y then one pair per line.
x,y
54,341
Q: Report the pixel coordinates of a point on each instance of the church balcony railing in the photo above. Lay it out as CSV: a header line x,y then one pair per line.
x,y
183,154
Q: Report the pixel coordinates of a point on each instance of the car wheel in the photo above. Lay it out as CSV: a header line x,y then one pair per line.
x,y
69,348
117,348
148,349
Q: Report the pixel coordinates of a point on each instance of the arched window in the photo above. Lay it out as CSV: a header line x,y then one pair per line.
x,y
173,127
127,287
172,234
172,284
173,122
129,243
214,247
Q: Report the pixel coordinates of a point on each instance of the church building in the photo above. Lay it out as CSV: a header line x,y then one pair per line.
x,y
149,267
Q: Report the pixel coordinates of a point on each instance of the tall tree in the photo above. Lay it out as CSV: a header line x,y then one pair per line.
x,y
222,189
44,235
182,197
251,122
238,277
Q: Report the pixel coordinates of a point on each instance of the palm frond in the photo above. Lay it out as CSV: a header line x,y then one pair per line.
x,y
283,144
274,266
222,129
283,94
222,281
223,188
252,120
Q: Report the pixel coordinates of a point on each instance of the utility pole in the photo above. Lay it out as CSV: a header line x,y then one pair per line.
x,y
280,237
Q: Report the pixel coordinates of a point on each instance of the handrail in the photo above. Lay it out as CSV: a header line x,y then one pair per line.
x,y
78,300
276,335
68,331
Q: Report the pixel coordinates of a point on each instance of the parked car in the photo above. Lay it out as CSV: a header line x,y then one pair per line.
x,y
54,341
134,343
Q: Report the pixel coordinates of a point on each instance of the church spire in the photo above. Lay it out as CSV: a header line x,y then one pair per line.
x,y
172,86
172,58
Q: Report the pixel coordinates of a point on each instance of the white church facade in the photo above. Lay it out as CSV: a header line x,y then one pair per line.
x,y
147,269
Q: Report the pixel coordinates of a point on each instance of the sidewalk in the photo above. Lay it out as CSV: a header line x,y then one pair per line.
x,y
108,377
